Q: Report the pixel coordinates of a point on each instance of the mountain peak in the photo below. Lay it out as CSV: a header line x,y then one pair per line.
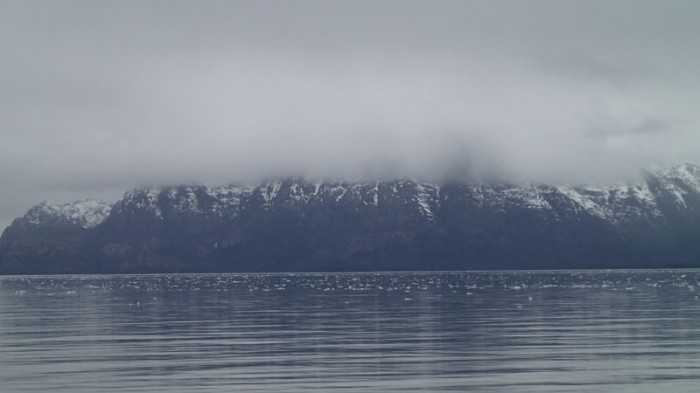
x,y
87,213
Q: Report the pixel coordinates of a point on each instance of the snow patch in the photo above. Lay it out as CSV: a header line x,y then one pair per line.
x,y
678,181
144,199
184,199
614,203
88,213
227,199
270,190
528,196
375,197
338,192
424,194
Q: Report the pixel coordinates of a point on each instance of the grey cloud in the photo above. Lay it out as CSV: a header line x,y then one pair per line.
x,y
605,127
587,68
652,126
98,96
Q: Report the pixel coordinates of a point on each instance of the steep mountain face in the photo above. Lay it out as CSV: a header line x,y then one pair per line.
x,y
295,225
51,238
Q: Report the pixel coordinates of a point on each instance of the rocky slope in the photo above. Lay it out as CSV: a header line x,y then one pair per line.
x,y
295,225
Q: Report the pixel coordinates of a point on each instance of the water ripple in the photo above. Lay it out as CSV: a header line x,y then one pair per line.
x,y
582,331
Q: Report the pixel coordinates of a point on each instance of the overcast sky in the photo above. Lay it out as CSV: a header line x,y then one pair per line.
x,y
97,97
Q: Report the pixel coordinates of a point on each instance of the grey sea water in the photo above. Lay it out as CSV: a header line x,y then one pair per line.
x,y
574,331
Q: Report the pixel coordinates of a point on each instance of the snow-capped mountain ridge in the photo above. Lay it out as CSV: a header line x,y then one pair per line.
x,y
614,203
298,225
87,214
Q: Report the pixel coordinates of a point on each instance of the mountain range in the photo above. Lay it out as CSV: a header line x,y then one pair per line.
x,y
298,225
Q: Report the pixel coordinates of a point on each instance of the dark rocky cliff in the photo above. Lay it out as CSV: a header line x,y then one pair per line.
x,y
294,225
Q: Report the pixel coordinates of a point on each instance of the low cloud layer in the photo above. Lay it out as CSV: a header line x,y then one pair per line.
x,y
97,97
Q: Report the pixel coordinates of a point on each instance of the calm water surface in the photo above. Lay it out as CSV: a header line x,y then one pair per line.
x,y
622,331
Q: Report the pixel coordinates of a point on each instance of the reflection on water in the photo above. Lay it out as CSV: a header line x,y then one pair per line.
x,y
624,331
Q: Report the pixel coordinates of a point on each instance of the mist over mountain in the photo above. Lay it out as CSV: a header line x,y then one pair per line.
x,y
297,225
97,97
